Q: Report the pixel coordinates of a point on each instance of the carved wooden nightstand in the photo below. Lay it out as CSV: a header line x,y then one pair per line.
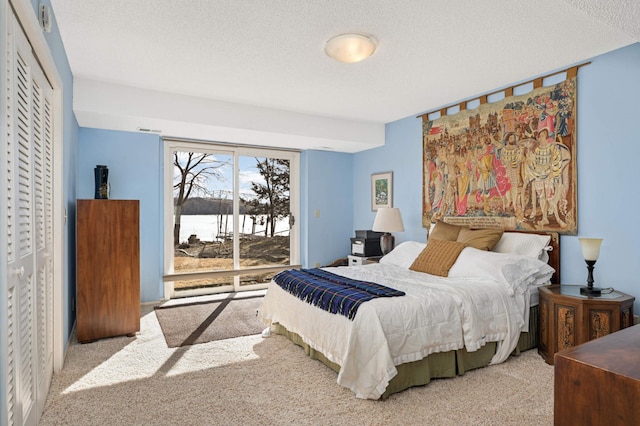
x,y
568,318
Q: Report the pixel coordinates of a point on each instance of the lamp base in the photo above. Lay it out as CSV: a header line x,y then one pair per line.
x,y
387,241
591,291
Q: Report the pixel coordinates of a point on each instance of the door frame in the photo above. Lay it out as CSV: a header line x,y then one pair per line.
x,y
169,145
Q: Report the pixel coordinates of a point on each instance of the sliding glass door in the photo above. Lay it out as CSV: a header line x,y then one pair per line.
x,y
229,217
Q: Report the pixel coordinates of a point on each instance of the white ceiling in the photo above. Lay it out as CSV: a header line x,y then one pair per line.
x,y
255,71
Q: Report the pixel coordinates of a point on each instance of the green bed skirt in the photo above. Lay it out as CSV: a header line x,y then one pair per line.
x,y
435,366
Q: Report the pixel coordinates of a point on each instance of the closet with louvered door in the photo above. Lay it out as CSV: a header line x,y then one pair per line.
x,y
28,203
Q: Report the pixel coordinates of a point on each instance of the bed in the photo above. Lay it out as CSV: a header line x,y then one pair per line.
x,y
476,310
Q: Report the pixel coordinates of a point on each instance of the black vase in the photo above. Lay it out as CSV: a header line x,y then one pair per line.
x,y
101,174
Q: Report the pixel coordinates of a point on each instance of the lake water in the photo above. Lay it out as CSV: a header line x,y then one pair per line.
x,y
206,226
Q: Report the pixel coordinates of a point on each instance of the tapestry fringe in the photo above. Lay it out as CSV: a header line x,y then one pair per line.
x,y
508,91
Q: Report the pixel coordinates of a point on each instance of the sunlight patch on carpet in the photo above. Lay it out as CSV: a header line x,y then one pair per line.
x,y
146,355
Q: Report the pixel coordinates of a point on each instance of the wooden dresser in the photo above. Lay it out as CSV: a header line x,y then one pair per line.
x,y
108,268
568,318
598,382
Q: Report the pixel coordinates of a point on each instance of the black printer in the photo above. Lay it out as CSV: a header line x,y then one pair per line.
x,y
366,243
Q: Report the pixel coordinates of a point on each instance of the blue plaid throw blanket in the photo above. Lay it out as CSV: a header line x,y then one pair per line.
x,y
331,292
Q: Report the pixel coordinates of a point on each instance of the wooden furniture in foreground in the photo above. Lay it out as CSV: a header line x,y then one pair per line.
x,y
568,318
598,383
108,268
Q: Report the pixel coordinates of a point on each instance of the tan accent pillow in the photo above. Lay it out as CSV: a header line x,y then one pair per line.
x,y
444,231
437,257
482,239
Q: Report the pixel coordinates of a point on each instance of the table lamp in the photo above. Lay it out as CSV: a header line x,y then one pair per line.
x,y
388,220
590,251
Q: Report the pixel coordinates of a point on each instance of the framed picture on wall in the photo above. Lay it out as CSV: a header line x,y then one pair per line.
x,y
381,190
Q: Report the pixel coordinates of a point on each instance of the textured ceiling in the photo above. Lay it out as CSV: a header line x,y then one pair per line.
x,y
270,53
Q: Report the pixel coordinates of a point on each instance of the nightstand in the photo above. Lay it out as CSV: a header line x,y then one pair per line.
x,y
362,260
568,318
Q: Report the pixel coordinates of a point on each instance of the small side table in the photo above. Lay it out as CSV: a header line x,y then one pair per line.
x,y
362,260
568,318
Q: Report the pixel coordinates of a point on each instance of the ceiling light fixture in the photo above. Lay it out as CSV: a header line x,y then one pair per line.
x,y
350,48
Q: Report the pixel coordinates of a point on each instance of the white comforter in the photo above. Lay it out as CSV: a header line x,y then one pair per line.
x,y
436,315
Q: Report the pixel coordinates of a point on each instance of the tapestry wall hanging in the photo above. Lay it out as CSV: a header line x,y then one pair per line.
x,y
508,164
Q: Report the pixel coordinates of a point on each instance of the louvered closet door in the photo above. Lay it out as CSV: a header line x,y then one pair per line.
x,y
29,233
41,144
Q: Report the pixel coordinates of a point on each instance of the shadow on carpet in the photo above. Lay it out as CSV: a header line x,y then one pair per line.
x,y
201,322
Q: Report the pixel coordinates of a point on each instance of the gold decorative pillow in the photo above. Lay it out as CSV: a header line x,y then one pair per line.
x,y
482,239
444,231
437,257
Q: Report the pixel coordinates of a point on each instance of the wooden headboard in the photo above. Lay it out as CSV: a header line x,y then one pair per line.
x,y
554,256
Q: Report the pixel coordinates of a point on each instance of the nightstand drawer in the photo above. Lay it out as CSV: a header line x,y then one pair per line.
x,y
362,260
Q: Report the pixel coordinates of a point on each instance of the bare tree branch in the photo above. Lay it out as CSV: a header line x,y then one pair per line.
x,y
194,172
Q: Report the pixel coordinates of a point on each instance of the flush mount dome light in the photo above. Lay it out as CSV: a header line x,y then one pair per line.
x,y
350,48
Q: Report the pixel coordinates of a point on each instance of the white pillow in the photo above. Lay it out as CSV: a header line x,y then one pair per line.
x,y
516,272
533,245
404,254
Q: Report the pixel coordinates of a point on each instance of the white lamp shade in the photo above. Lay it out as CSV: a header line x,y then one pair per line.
x,y
350,48
590,248
388,219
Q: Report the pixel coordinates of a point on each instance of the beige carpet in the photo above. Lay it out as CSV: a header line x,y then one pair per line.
x,y
206,321
269,381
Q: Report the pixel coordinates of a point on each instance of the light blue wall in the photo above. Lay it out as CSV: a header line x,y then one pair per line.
x,y
608,172
402,155
135,173
608,150
327,203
